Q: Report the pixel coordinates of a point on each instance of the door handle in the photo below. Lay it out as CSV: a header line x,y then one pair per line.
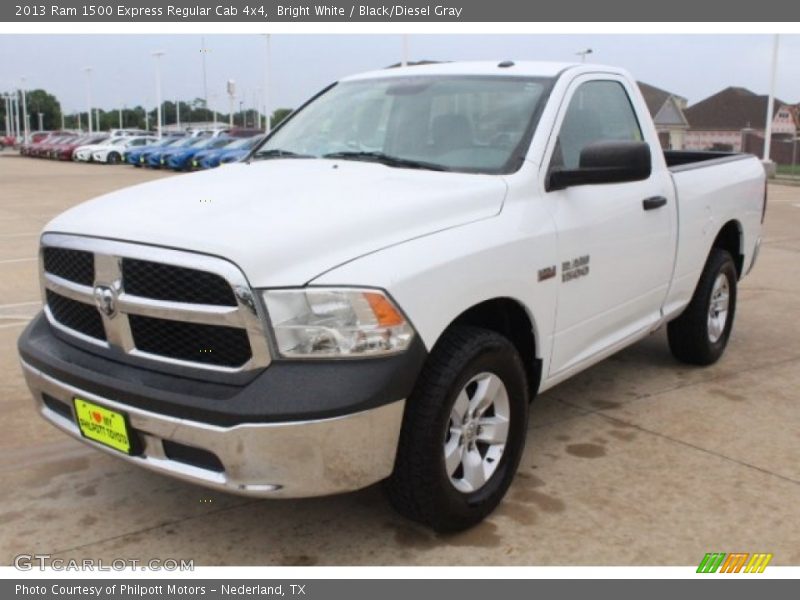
x,y
654,202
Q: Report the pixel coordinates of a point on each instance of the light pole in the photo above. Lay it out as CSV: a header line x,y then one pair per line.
x,y
24,112
203,52
97,119
16,114
178,113
41,121
268,82
158,54
583,54
231,95
88,71
7,113
771,103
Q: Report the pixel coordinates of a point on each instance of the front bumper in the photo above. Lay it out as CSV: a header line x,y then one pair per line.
x,y
288,459
294,429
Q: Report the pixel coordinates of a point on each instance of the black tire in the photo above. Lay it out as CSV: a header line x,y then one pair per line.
x,y
420,487
113,158
688,335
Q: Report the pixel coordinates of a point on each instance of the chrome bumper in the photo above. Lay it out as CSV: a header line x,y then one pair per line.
x,y
288,460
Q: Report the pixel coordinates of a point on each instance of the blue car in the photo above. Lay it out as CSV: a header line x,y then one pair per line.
x,y
208,159
158,158
136,156
180,159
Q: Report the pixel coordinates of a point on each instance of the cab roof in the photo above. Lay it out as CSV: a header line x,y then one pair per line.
x,y
499,67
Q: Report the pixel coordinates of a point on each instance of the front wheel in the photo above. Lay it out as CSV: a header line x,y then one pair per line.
x,y
113,158
699,336
463,431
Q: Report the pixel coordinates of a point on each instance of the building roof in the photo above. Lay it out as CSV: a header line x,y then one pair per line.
x,y
733,108
654,97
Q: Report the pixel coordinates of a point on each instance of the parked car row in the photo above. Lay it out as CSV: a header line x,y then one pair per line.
x,y
185,151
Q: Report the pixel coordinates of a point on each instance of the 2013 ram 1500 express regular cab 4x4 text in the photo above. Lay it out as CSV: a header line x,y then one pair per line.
x,y
380,290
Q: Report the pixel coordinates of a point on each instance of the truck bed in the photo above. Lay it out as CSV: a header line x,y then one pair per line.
x,y
683,160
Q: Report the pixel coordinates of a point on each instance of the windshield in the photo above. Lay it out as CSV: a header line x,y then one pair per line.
x,y
455,123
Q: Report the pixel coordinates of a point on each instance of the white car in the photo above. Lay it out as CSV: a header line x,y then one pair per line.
x,y
84,153
113,153
383,286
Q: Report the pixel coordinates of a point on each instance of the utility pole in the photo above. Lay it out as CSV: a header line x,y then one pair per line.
x,y
88,71
158,54
771,102
178,113
79,121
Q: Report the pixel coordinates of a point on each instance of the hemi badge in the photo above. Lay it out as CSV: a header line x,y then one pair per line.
x,y
547,273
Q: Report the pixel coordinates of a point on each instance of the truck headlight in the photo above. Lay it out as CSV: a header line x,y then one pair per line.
x,y
336,322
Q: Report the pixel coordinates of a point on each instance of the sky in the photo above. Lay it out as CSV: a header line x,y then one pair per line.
x,y
693,66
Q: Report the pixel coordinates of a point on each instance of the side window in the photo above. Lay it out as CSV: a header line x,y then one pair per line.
x,y
598,111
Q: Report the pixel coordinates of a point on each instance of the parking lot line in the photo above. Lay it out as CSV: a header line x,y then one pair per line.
x,y
16,304
17,260
16,235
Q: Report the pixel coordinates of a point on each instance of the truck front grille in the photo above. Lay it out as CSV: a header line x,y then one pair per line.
x,y
81,317
208,344
72,265
158,306
168,282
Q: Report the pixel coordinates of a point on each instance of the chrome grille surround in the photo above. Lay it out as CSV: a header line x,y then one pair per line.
x,y
108,255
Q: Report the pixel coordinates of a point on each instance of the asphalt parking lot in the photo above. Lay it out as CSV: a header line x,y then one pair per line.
x,y
637,461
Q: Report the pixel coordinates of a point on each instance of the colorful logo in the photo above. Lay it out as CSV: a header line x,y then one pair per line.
x,y
719,562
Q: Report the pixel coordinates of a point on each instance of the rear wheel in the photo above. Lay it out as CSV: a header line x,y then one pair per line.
x,y
463,431
699,336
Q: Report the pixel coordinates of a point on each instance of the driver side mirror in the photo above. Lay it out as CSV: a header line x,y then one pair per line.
x,y
604,162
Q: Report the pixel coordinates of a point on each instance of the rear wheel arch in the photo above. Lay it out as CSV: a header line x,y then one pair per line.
x,y
731,239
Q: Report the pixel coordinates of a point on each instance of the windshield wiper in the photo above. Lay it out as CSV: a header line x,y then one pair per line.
x,y
386,159
278,153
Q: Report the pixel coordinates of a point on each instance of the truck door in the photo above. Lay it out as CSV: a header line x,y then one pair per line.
x,y
616,241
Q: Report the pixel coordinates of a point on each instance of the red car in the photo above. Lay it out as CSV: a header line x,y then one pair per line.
x,y
6,141
40,137
42,149
64,151
54,148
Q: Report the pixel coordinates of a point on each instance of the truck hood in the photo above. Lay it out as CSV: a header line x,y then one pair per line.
x,y
286,221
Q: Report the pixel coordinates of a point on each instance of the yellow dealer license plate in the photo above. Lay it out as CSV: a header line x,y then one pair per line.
x,y
102,425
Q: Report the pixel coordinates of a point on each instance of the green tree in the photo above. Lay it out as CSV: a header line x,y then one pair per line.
x,y
279,114
38,101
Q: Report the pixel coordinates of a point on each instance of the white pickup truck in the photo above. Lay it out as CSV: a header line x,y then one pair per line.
x,y
383,287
